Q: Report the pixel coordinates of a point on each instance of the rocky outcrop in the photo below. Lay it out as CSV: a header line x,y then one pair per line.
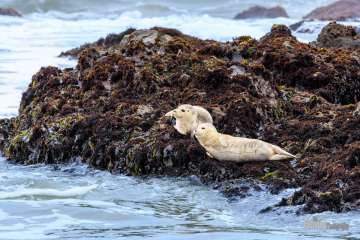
x,y
339,10
262,12
108,112
338,36
300,27
102,43
10,12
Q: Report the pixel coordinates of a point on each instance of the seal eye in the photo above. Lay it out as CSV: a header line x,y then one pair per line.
x,y
182,110
203,128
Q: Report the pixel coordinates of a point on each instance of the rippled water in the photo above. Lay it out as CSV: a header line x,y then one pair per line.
x,y
59,202
74,202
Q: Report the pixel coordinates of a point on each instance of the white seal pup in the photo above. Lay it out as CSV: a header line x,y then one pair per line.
x,y
228,148
188,117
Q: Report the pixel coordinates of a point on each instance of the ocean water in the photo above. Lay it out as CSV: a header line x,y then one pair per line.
x,y
223,9
75,202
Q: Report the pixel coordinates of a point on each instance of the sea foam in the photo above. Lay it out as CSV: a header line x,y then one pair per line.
x,y
39,192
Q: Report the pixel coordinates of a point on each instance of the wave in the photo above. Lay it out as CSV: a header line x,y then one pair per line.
x,y
202,26
44,192
224,9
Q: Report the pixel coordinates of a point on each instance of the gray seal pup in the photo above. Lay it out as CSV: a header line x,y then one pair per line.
x,y
188,117
224,147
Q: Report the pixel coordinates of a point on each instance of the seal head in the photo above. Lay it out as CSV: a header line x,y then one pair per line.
x,y
187,117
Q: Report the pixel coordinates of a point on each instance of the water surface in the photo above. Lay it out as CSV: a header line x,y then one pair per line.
x,y
59,202
75,202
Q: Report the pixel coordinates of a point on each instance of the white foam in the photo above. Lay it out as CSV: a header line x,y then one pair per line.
x,y
224,8
31,192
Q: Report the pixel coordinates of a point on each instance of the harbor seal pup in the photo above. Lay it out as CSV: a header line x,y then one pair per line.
x,y
188,117
228,148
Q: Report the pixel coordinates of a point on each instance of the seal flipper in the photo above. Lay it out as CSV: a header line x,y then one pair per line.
x,y
279,157
280,154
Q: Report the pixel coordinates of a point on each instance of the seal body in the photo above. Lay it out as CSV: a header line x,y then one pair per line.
x,y
228,148
188,117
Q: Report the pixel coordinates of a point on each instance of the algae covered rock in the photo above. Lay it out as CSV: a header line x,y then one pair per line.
x,y
108,111
338,36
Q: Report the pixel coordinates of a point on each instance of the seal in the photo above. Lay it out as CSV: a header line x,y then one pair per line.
x,y
188,117
224,147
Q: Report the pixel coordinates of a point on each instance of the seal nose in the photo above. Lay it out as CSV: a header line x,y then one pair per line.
x,y
171,121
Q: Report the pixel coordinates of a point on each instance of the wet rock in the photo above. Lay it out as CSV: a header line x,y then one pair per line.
x,y
294,64
338,11
300,27
295,26
108,41
10,12
277,31
239,188
6,126
317,201
262,12
338,36
108,112
356,112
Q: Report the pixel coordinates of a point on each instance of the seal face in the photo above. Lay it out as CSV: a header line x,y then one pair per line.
x,y
188,117
228,148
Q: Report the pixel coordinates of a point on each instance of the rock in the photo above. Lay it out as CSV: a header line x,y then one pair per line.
x,y
10,12
295,26
277,31
110,40
289,59
262,12
108,112
356,112
316,201
338,36
337,11
300,27
6,126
